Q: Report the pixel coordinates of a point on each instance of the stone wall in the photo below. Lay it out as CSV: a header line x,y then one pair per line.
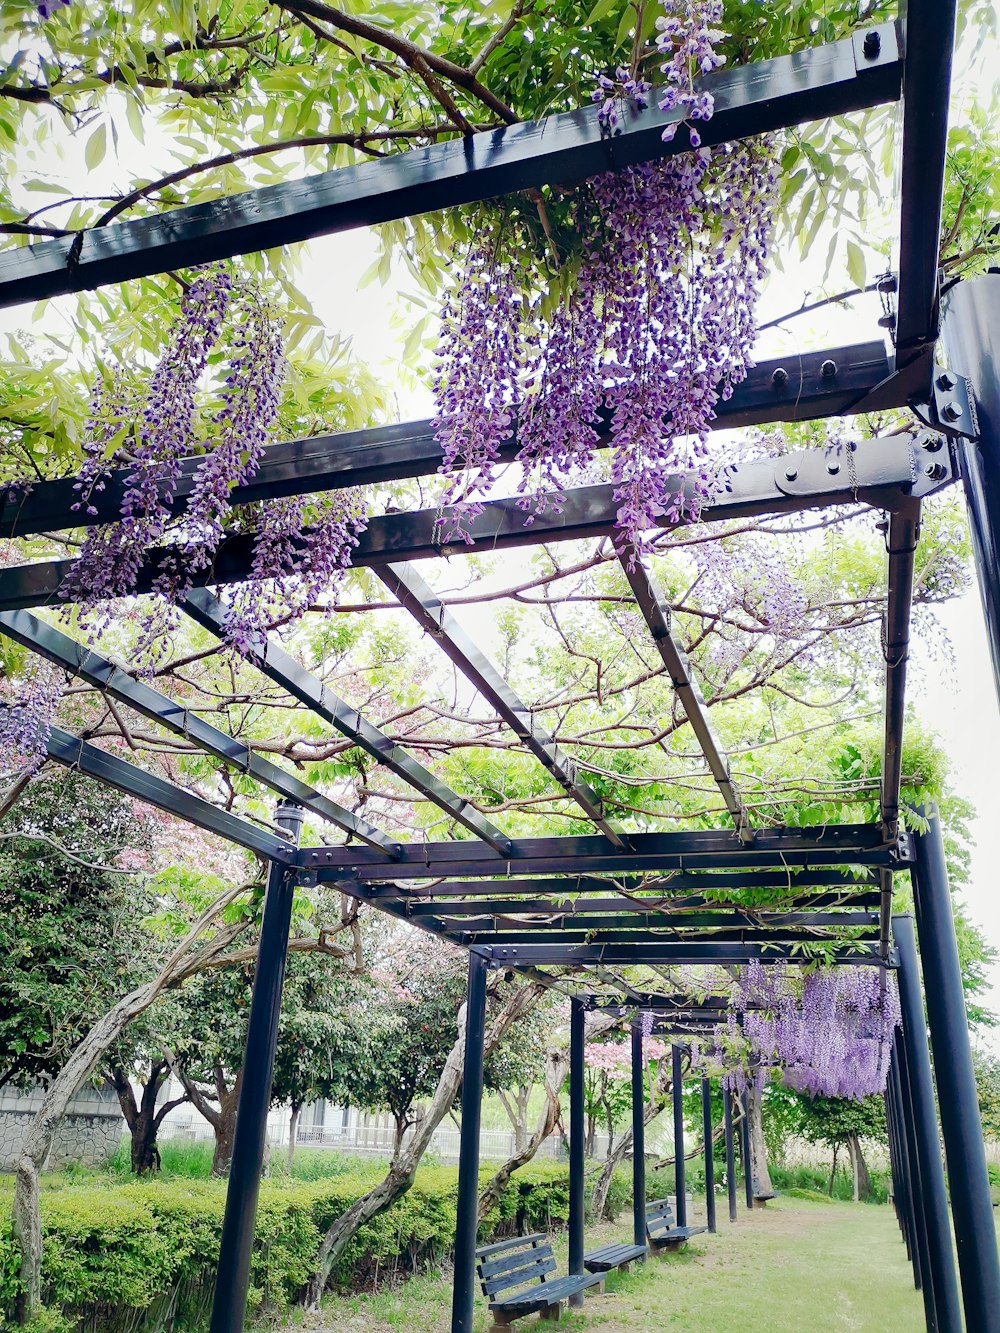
x,y
89,1133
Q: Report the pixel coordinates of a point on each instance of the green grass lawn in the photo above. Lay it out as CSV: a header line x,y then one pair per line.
x,y
793,1267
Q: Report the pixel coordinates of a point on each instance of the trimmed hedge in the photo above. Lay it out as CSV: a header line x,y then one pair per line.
x,y
124,1255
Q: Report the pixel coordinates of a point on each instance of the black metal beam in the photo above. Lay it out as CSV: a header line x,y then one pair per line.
x,y
501,919
106,676
928,38
272,661
821,81
557,935
420,600
680,954
88,759
671,890
884,473
789,388
903,532
834,844
656,614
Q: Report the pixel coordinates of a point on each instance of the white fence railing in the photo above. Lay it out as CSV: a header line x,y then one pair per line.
x,y
495,1145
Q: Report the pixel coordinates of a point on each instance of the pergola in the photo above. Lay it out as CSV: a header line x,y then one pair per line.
x,y
569,912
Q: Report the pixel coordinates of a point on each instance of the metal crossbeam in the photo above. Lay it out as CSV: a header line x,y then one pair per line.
x,y
820,81
656,614
677,889
832,844
498,920
272,660
902,536
680,954
88,759
884,472
417,596
929,37
789,388
597,911
106,676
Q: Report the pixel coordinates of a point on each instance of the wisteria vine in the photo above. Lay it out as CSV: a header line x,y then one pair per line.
x,y
656,322
828,1033
294,560
28,706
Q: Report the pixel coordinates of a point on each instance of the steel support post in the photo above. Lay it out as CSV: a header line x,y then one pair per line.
x,y
677,1093
233,1274
916,1227
727,1113
638,1139
971,332
577,1018
961,1125
916,1073
923,1275
745,1148
900,1200
467,1214
706,1118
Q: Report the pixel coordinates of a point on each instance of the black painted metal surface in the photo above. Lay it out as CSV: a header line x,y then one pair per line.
x,y
958,1101
932,1199
467,1219
233,1274
381,454
749,100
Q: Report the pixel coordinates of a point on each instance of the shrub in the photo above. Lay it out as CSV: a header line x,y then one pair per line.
x,y
132,1255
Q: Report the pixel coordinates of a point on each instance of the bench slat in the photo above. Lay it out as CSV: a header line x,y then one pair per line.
x,y
505,1262
613,1256
547,1293
518,1278
499,1245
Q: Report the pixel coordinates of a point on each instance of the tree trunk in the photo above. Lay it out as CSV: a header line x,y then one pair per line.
x,y
833,1169
860,1179
758,1145
556,1069
142,1117
293,1129
26,1219
405,1161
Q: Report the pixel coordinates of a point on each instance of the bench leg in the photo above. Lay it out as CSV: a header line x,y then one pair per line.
x,y
499,1325
596,1290
553,1312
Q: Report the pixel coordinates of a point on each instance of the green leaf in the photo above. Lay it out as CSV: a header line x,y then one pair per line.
x,y
93,154
601,10
856,263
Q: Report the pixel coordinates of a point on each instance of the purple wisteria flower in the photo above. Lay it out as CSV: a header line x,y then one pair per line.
x,y
657,322
28,707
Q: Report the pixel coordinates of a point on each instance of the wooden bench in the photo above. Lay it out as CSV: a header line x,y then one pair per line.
x,y
525,1263
661,1231
609,1257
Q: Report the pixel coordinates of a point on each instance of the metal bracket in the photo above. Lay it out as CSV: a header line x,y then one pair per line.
x,y
951,409
905,855
875,47
859,467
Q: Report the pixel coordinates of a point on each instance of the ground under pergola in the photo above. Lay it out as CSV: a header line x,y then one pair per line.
x,y
572,912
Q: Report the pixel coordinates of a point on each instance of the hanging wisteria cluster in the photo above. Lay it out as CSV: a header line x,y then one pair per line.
x,y
28,706
829,1033
656,323
300,547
